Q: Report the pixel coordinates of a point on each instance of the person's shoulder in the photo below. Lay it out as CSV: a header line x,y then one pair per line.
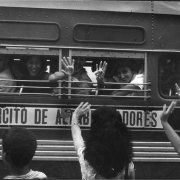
x,y
6,73
137,77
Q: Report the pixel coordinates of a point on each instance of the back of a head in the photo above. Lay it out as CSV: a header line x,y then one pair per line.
x,y
134,65
108,148
105,117
19,144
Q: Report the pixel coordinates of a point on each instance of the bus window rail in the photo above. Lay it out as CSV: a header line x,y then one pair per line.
x,y
59,150
79,88
75,89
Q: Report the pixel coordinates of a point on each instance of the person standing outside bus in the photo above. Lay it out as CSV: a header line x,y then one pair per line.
x,y
18,148
170,132
107,152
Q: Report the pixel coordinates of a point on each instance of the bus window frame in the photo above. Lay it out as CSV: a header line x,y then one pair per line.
x,y
11,50
28,51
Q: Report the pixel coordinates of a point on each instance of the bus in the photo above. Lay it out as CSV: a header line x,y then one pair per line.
x,y
145,33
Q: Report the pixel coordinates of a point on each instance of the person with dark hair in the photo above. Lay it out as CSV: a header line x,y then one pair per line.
x,y
107,152
125,73
42,81
19,146
35,70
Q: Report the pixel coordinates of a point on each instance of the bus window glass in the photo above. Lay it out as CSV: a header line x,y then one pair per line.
x,y
120,73
169,74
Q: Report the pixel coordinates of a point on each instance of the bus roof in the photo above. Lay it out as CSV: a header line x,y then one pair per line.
x,y
156,7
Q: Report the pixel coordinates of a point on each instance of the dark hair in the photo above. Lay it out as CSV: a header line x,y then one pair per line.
x,y
108,147
19,144
134,65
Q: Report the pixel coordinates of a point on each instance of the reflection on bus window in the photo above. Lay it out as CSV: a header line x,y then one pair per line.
x,y
169,73
6,73
126,76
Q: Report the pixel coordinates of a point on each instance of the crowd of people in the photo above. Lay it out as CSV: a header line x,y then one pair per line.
x,y
35,79
106,153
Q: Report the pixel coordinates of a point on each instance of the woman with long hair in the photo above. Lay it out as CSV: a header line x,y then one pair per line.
x,y
107,152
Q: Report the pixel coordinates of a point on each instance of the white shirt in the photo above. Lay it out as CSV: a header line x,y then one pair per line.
x,y
138,80
30,175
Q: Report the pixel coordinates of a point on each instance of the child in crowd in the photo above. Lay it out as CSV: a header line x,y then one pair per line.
x,y
107,152
19,146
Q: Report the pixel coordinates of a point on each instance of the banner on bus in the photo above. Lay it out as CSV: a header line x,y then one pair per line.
x,y
61,117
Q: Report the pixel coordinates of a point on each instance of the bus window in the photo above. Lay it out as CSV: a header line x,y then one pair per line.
x,y
124,77
169,74
120,72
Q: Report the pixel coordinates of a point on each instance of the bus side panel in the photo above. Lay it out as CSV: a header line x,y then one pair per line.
x,y
166,32
66,20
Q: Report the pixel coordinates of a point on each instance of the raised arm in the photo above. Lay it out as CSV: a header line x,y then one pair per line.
x,y
100,71
82,109
68,64
170,132
128,88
